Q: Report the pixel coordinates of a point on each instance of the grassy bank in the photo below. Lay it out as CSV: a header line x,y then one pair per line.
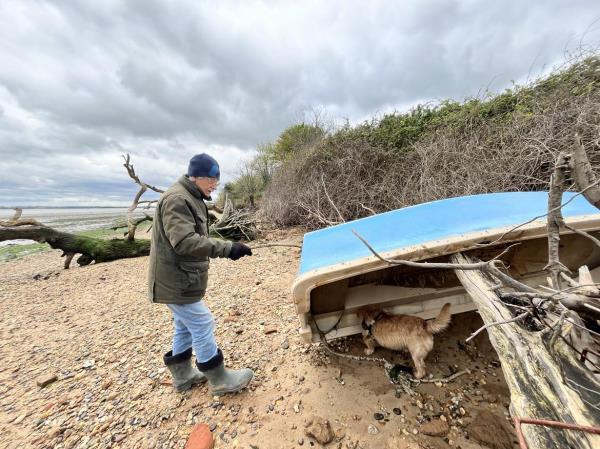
x,y
316,176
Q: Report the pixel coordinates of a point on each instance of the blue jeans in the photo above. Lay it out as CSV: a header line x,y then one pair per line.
x,y
194,327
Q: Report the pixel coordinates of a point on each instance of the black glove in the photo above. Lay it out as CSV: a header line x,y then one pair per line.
x,y
239,250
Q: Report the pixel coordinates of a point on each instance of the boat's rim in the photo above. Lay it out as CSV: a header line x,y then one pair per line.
x,y
306,282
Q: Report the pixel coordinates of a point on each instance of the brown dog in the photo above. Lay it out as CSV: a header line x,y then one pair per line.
x,y
399,332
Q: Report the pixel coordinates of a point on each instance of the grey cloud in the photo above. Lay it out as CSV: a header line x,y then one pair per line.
x,y
164,80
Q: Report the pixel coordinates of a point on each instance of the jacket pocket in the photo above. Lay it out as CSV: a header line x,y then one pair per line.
x,y
195,273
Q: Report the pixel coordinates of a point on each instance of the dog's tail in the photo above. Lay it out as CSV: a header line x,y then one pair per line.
x,y
441,322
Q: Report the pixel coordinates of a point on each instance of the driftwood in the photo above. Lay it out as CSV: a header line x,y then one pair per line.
x,y
545,381
91,249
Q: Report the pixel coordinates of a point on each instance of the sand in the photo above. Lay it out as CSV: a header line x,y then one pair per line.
x,y
93,329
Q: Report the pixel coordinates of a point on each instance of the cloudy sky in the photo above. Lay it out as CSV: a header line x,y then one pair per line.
x,y
82,82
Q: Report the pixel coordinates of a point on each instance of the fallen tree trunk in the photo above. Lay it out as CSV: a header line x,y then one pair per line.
x,y
545,379
91,249
233,225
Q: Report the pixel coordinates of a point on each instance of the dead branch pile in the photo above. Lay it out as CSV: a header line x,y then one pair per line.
x,y
235,224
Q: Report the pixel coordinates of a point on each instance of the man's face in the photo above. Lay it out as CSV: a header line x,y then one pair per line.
x,y
207,185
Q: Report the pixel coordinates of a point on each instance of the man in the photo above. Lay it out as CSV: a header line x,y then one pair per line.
x,y
178,275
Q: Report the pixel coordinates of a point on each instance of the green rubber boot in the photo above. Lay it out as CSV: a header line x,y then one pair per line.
x,y
222,380
184,373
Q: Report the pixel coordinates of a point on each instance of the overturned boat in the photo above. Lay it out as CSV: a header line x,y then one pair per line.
x,y
338,274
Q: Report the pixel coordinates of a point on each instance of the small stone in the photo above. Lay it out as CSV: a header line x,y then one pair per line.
x,y
200,438
242,430
48,406
479,430
270,329
378,416
372,430
53,432
20,418
285,344
319,429
435,428
118,437
300,441
46,380
397,411
88,364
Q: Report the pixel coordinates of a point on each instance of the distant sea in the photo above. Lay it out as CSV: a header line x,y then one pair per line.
x,y
73,219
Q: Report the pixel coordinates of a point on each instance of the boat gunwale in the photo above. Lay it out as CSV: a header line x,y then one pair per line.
x,y
305,283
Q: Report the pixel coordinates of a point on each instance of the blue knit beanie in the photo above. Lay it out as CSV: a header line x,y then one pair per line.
x,y
203,165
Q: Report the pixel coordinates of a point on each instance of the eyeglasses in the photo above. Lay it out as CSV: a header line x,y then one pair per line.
x,y
213,181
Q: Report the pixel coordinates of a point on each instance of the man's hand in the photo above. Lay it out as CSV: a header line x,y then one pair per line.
x,y
239,250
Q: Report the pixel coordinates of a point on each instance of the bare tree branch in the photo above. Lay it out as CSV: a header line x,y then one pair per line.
x,y
445,266
131,222
556,220
330,200
16,220
496,323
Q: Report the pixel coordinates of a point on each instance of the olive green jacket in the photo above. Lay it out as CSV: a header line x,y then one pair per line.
x,y
180,250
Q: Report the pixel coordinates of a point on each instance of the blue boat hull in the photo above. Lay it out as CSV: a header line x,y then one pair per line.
x,y
333,256
426,222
